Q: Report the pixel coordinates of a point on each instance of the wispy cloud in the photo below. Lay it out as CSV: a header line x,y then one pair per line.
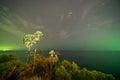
x,y
8,26
64,34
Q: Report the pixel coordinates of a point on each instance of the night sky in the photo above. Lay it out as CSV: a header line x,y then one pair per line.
x,y
66,24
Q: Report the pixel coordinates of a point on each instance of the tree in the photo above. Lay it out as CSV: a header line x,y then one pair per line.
x,y
52,53
62,74
38,35
10,67
30,40
53,56
5,58
72,68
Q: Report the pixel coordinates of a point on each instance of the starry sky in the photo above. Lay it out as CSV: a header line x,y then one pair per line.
x,y
66,24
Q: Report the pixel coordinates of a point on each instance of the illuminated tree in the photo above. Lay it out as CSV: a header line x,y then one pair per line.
x,y
38,35
37,38
52,53
53,56
30,40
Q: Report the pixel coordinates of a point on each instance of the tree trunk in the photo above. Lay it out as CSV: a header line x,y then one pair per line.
x,y
34,55
28,55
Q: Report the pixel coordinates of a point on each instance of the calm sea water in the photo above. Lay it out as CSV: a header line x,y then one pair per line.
x,y
104,61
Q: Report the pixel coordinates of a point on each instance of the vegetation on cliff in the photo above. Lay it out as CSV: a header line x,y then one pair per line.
x,y
46,68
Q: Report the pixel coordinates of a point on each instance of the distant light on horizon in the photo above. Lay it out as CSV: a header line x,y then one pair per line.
x,y
5,49
9,48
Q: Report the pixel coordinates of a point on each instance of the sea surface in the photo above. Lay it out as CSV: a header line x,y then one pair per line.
x,y
104,61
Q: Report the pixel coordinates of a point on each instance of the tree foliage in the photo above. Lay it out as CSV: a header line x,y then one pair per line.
x,y
31,39
10,67
6,58
13,69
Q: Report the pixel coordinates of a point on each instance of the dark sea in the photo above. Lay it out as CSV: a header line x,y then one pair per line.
x,y
104,61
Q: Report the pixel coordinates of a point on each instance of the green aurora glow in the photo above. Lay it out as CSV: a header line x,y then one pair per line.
x,y
90,25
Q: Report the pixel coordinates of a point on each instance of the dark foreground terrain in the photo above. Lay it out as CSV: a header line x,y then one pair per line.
x,y
46,67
